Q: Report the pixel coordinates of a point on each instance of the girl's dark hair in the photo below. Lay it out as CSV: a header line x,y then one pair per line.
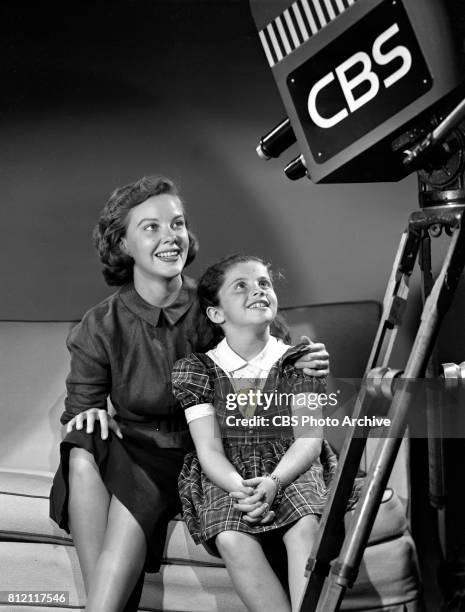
x,y
209,287
112,225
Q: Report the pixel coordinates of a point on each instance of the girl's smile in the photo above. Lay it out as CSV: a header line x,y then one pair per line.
x,y
247,296
261,303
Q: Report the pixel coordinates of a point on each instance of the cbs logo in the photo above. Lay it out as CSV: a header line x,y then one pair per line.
x,y
365,74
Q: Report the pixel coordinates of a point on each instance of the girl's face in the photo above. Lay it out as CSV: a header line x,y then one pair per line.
x,y
247,296
156,237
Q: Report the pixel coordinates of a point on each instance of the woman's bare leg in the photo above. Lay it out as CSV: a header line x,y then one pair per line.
x,y
88,506
252,576
298,540
120,562
111,545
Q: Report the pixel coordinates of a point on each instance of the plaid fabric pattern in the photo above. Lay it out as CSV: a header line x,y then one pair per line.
x,y
197,379
208,509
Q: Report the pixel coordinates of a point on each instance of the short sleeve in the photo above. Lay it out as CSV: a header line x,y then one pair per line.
x,y
88,382
191,382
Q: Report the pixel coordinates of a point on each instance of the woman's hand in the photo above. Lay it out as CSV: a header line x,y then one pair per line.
x,y
316,361
90,416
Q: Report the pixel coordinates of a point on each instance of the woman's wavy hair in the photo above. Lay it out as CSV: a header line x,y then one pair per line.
x,y
209,286
112,225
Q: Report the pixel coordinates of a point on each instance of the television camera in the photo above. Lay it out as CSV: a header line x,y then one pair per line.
x,y
374,90
362,82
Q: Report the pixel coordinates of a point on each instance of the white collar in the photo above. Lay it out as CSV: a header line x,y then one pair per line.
x,y
224,356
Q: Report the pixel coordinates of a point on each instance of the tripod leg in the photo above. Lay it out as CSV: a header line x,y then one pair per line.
x,y
344,572
395,299
433,416
329,537
436,475
328,541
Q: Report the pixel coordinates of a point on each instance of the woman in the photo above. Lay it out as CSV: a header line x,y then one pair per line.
x,y
116,486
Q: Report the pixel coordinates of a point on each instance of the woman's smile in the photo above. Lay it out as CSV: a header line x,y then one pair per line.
x,y
157,238
168,256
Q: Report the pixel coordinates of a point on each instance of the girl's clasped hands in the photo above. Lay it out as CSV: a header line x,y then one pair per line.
x,y
255,499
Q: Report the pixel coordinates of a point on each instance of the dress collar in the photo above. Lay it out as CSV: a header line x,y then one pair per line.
x,y
172,313
224,356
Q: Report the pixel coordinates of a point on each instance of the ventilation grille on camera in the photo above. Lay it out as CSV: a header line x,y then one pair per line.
x,y
297,24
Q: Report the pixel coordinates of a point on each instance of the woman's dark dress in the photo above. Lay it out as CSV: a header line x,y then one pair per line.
x,y
125,348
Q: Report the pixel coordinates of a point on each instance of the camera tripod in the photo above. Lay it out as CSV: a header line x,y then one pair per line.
x,y
332,568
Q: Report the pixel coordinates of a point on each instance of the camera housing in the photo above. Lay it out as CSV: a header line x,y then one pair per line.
x,y
362,80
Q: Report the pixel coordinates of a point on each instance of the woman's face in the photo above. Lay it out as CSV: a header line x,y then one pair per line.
x,y
156,237
247,296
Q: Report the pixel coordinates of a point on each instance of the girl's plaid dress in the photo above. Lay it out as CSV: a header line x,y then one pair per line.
x,y
253,451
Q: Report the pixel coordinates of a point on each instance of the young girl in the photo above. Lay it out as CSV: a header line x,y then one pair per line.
x,y
250,479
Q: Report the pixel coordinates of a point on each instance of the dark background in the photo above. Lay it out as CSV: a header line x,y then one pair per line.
x,y
94,95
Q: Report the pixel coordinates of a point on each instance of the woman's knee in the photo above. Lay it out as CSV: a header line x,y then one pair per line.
x,y
82,464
